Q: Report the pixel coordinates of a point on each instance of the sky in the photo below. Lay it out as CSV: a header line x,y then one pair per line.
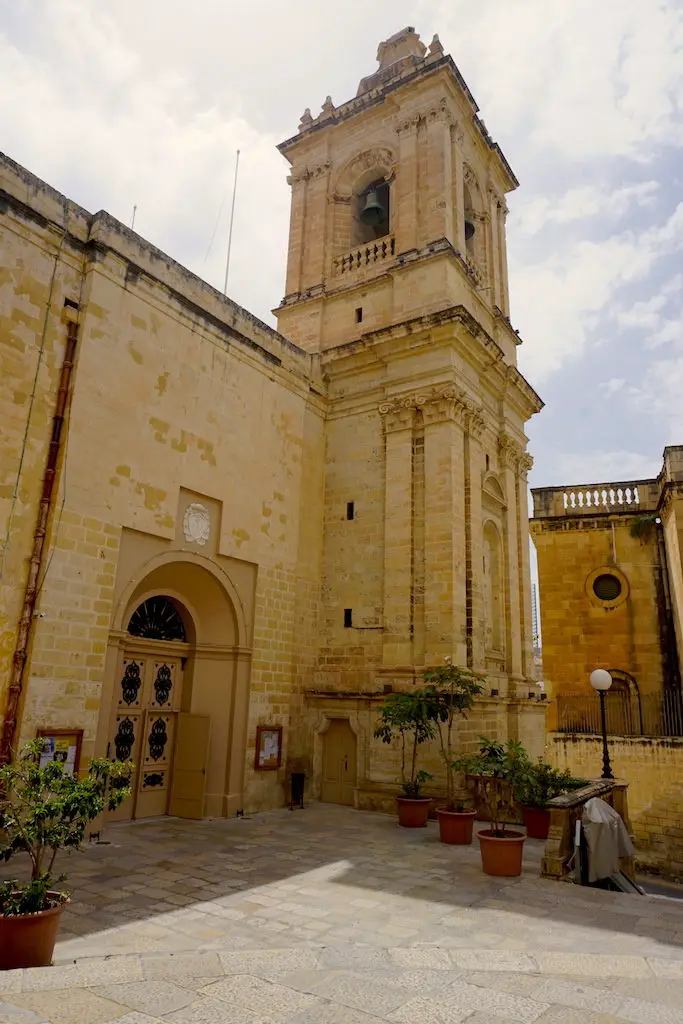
x,y
143,103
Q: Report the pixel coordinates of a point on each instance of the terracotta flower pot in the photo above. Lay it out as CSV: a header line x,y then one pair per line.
x,y
501,855
537,822
455,827
412,813
28,940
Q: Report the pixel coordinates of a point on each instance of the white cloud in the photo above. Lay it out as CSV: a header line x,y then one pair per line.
x,y
582,78
660,394
558,295
595,467
612,386
112,134
579,204
659,319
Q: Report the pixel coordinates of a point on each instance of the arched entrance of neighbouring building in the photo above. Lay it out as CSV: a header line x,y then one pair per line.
x,y
339,763
176,698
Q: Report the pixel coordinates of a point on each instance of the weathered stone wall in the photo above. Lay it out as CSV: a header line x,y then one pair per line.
x,y
580,632
40,267
653,769
174,387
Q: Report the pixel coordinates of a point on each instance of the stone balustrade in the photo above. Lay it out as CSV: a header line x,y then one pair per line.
x,y
566,810
365,255
629,498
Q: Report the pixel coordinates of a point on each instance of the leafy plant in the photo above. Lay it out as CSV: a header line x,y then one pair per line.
x,y
642,526
499,769
44,810
451,693
408,716
539,783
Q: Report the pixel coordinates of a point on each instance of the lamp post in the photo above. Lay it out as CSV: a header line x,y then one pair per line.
x,y
601,681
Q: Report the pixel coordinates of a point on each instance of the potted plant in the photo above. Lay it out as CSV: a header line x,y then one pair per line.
x,y
42,811
536,786
408,716
497,769
451,692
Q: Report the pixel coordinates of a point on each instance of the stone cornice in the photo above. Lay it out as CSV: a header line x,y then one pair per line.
x,y
308,174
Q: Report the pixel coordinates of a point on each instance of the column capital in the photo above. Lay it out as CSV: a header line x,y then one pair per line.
x,y
396,417
509,450
437,404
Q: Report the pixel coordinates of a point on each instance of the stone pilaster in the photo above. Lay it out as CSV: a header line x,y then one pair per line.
x,y
509,452
397,639
505,295
457,142
297,223
437,143
474,539
445,554
495,276
525,464
406,187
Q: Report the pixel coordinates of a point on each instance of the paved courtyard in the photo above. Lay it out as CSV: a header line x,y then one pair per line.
x,y
335,916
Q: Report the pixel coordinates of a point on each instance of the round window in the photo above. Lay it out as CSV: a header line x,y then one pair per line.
x,y
607,587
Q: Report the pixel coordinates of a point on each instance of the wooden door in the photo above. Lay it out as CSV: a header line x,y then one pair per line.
x,y
339,763
189,766
144,713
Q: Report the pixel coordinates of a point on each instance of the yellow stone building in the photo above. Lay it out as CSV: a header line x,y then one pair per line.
x,y
611,590
209,526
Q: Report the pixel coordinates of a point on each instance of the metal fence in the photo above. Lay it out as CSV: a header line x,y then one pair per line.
x,y
626,714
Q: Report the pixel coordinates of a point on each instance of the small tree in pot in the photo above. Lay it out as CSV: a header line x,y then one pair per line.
x,y
497,771
451,692
537,784
44,810
408,716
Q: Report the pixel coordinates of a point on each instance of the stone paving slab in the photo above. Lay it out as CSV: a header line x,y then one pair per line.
x,y
334,916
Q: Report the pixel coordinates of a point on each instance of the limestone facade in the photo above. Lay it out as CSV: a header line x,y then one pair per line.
x,y
611,594
251,527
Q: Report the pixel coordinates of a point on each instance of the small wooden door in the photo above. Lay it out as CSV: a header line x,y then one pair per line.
x,y
143,727
189,767
339,763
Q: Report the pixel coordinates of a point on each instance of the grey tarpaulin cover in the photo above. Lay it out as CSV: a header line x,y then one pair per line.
x,y
606,837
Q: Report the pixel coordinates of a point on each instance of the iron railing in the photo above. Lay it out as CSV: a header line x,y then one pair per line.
x,y
626,714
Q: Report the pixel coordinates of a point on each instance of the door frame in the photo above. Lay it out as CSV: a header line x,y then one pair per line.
x,y
326,717
132,646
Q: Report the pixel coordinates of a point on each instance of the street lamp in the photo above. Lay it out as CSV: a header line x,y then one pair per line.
x,y
601,681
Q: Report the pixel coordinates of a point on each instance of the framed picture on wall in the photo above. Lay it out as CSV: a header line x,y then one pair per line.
x,y
61,745
268,747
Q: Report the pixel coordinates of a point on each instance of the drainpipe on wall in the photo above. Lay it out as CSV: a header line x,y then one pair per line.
x,y
26,620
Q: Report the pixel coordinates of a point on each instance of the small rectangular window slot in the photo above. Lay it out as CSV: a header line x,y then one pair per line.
x,y
359,314
71,303
350,510
348,618
487,462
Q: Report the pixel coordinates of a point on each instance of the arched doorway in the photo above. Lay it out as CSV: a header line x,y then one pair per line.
x,y
147,724
339,763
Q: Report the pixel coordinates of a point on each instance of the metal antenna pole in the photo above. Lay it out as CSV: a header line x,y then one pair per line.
x,y
232,216
132,222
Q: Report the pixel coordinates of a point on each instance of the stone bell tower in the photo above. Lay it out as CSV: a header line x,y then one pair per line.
x,y
397,278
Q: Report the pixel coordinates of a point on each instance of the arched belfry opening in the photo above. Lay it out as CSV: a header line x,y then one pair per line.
x,y
371,212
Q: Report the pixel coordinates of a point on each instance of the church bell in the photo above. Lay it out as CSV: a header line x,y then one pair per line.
x,y
373,213
469,229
